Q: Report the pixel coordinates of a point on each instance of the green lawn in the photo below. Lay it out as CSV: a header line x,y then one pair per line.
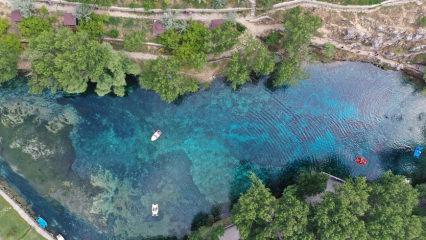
x,y
12,226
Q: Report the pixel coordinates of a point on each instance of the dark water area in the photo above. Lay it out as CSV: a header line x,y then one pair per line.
x,y
212,139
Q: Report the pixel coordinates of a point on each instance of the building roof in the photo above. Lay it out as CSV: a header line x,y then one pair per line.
x,y
69,19
216,23
16,16
158,28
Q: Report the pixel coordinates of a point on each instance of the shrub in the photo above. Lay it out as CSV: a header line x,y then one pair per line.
x,y
113,33
26,7
33,26
253,58
134,41
422,21
113,20
163,77
9,54
328,51
4,25
189,47
219,3
84,11
93,25
224,37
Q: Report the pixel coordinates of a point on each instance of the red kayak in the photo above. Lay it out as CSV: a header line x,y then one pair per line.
x,y
361,160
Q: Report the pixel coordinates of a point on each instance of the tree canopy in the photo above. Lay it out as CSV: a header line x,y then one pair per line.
x,y
10,49
299,28
34,25
4,25
254,210
356,210
190,47
92,25
67,61
254,57
163,77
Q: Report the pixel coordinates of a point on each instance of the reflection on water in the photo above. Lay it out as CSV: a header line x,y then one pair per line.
x,y
210,141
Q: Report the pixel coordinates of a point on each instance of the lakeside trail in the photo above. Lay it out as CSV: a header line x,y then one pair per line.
x,y
24,215
253,24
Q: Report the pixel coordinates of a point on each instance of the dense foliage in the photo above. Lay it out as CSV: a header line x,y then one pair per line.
x,y
357,210
34,25
26,7
190,47
422,21
133,42
163,77
9,54
191,43
254,57
254,210
311,183
224,37
328,51
299,27
4,25
92,25
67,61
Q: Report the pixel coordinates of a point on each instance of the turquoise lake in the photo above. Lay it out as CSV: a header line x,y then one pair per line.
x,y
210,141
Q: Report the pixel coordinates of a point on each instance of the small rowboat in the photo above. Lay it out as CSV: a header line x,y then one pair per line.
x,y
361,160
156,135
154,209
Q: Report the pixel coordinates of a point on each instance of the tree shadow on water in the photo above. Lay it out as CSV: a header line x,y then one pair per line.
x,y
277,179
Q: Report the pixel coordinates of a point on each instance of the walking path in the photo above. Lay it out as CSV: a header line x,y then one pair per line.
x,y
25,216
210,14
247,21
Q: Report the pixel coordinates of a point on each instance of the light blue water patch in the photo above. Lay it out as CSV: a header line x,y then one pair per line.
x,y
211,139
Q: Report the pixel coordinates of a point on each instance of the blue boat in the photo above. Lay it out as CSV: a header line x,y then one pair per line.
x,y
41,222
418,151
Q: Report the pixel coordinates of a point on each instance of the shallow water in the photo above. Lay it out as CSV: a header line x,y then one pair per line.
x,y
211,140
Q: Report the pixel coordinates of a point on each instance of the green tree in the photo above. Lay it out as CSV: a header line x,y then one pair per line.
x,y
224,37
4,25
113,78
340,216
288,72
311,183
94,25
392,202
291,218
163,77
190,47
67,61
254,57
134,41
254,210
299,27
237,72
33,26
9,54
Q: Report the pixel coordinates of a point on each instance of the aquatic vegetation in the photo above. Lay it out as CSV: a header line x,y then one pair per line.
x,y
210,141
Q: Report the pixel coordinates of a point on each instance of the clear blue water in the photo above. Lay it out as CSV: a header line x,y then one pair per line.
x,y
213,138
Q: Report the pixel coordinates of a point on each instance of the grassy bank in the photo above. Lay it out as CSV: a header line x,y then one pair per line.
x,y
13,227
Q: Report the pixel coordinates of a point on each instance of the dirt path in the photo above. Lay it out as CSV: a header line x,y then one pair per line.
x,y
210,14
25,216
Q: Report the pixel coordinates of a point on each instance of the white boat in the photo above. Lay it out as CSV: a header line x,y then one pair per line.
x,y
156,135
154,209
